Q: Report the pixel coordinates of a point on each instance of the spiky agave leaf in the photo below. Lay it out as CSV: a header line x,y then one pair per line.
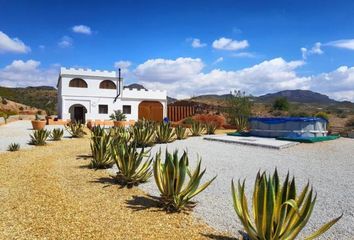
x,y
39,137
57,134
181,132
278,212
210,128
75,129
170,178
143,135
13,147
164,133
100,149
241,123
197,128
133,167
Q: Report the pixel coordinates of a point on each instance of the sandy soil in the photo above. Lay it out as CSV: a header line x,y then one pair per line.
x,y
49,193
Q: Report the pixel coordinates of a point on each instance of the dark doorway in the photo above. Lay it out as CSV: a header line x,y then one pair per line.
x,y
79,114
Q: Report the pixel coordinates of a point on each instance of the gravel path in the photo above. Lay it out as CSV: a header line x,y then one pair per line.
x,y
328,165
18,132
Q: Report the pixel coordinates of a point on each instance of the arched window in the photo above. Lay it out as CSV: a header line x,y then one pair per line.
x,y
78,82
108,84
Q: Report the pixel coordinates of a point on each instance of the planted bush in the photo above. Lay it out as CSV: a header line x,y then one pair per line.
x,y
171,179
278,212
13,147
197,129
143,135
120,134
210,128
57,134
100,149
133,167
97,131
39,137
164,133
75,129
215,119
181,132
241,123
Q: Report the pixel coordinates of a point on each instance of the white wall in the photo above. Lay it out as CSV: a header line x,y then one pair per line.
x,y
92,96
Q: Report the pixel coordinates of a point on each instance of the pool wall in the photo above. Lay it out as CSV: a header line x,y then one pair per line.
x,y
288,127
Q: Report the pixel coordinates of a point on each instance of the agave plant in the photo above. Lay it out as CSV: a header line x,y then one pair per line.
x,y
164,133
278,212
133,167
143,136
181,132
170,177
120,134
100,148
197,128
13,147
39,137
57,134
75,129
210,128
97,131
241,123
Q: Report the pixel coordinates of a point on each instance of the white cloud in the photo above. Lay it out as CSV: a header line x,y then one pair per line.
x,y
220,59
315,50
65,42
166,70
196,43
344,43
244,55
229,44
83,29
14,45
122,64
27,73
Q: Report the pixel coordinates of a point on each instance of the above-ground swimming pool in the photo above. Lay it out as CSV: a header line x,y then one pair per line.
x,y
297,127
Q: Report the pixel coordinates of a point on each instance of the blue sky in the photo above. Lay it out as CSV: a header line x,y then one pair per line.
x,y
193,46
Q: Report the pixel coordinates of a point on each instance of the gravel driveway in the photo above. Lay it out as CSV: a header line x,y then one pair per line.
x,y
18,132
328,165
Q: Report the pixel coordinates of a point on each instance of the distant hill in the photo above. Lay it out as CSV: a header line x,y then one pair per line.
x,y
299,96
42,97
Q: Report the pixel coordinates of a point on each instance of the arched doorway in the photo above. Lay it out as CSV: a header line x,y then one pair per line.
x,y
78,113
150,110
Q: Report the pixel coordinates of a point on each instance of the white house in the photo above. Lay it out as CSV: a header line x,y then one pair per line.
x,y
85,94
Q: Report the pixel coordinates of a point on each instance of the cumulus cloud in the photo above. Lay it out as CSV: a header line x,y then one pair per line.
x,y
124,66
13,45
167,70
344,43
183,79
83,29
315,50
65,42
28,73
196,43
229,44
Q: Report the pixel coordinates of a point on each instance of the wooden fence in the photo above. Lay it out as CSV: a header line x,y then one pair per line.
x,y
177,113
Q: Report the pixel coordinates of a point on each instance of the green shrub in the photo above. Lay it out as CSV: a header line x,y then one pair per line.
x,y
197,129
241,124
210,128
120,134
57,134
238,104
181,132
118,116
143,135
75,129
281,104
170,177
39,137
13,147
322,115
164,133
278,212
132,166
100,149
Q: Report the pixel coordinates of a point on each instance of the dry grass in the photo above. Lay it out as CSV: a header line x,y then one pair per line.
x,y
49,193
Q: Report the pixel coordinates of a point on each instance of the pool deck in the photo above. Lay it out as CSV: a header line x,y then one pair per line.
x,y
253,141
